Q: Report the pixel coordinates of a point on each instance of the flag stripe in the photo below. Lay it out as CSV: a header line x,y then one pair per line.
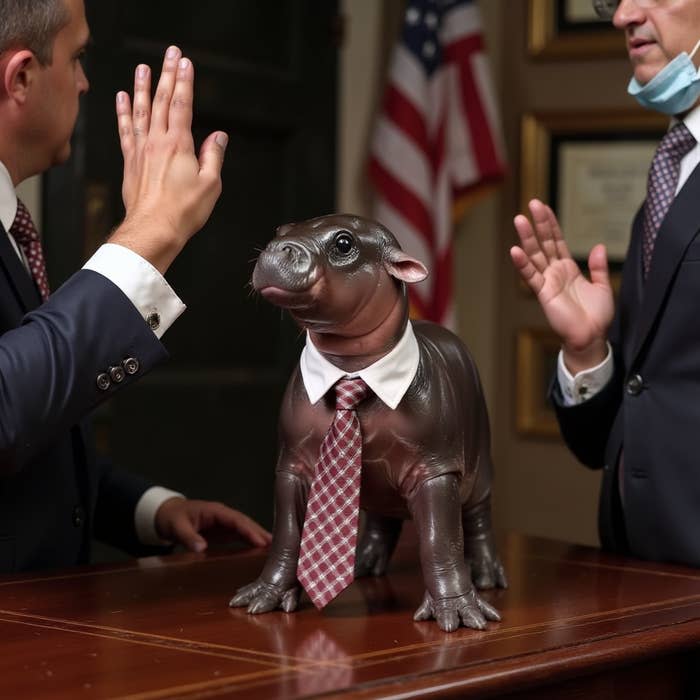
x,y
437,139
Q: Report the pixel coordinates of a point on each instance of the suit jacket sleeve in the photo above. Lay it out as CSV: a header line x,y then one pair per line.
x,y
117,495
49,365
586,427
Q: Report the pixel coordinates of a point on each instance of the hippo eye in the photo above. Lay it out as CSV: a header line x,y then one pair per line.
x,y
343,242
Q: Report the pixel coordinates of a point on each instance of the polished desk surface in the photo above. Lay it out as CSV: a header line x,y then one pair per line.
x,y
161,628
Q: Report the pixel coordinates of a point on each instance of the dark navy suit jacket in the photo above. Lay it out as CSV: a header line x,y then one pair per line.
x,y
53,490
650,410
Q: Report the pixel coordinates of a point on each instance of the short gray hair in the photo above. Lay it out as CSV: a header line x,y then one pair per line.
x,y
33,25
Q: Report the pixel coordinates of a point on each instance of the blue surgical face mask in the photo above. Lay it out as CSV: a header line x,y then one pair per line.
x,y
673,90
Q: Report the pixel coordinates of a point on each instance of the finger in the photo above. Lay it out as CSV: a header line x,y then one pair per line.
x,y
529,242
598,265
125,125
211,155
524,265
543,218
185,533
239,522
180,116
142,103
562,247
164,91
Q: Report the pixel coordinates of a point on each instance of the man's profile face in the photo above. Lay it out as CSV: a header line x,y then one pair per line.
x,y
656,35
60,85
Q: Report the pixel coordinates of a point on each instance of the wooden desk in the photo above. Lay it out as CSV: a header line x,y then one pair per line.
x,y
575,624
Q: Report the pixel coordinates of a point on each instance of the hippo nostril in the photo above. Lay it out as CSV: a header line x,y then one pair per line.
x,y
290,252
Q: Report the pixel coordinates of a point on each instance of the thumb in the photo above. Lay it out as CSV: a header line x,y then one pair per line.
x,y
211,154
598,265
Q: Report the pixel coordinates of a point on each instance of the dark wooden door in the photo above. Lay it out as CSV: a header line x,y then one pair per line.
x,y
205,423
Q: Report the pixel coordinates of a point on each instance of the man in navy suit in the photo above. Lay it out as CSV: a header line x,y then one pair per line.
x,y
61,355
627,390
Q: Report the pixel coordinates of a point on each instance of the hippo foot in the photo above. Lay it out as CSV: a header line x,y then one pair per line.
x,y
468,610
486,568
261,597
372,557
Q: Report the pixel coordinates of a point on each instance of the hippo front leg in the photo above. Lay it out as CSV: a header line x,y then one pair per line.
x,y
377,543
450,597
480,547
277,585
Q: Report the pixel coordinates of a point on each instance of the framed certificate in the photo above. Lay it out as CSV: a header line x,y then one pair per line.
x,y
591,168
570,28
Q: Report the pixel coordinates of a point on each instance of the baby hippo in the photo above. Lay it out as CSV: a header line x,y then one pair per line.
x,y
424,450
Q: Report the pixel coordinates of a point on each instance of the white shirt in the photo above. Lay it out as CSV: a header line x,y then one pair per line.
x,y
589,382
389,377
147,289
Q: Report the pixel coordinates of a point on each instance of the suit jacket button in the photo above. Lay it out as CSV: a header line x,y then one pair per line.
x,y
78,516
635,385
103,381
130,365
117,374
153,320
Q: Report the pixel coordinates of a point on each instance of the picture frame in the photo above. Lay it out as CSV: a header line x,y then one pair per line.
x,y
591,168
536,358
570,29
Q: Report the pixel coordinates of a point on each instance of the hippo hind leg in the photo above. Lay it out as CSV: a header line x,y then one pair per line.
x,y
480,547
376,544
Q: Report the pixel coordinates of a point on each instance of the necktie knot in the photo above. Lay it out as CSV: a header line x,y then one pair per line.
x,y
677,142
349,393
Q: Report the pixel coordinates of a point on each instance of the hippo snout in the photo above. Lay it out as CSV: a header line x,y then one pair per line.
x,y
286,264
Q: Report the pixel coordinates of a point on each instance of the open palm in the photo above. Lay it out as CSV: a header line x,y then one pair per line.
x,y
579,311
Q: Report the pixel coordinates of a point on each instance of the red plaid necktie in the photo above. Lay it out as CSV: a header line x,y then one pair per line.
x,y
27,237
662,183
327,556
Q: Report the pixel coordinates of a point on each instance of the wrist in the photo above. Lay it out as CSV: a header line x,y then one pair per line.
x,y
578,359
153,241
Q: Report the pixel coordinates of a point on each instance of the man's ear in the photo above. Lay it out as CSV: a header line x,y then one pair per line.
x,y
405,268
17,74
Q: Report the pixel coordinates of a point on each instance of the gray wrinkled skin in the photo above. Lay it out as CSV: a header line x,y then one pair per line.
x,y
343,279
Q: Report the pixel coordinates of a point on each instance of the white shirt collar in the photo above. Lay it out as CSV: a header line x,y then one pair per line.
x,y
692,121
389,377
8,198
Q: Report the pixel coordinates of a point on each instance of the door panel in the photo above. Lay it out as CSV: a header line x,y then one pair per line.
x,y
205,423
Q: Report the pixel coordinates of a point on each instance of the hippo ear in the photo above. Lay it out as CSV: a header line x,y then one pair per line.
x,y
284,229
405,268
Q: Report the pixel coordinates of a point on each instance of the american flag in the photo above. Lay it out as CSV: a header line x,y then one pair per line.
x,y
437,141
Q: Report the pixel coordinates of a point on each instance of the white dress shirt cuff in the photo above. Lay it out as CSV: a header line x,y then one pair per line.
x,y
145,287
587,383
145,514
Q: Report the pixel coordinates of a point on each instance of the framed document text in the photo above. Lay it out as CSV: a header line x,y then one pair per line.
x,y
591,168
570,28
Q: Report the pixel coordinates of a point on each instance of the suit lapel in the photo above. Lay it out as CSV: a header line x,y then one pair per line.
x,y
677,231
632,287
22,284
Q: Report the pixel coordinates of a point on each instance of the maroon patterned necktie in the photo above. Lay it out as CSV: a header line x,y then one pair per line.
x,y
327,556
661,185
27,237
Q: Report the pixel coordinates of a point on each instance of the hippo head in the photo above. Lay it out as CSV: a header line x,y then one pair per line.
x,y
336,272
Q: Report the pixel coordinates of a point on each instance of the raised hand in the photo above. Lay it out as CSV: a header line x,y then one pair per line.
x,y
168,191
578,310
